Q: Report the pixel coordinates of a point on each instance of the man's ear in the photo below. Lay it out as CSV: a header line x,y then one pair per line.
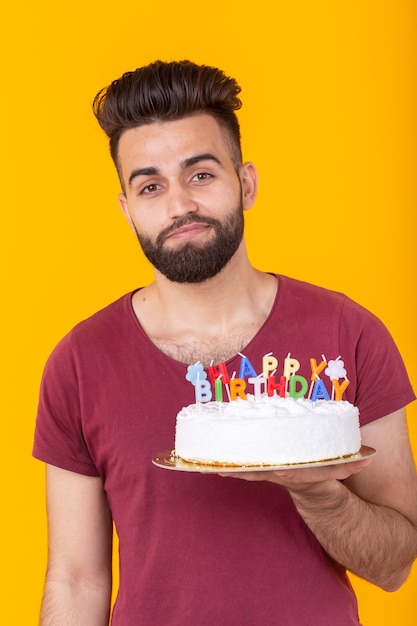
x,y
125,210
249,180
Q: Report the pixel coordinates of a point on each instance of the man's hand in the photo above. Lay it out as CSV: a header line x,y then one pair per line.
x,y
299,479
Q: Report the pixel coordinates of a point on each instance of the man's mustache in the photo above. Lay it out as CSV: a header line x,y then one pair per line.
x,y
184,221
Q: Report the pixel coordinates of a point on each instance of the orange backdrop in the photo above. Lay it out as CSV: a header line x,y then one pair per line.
x,y
329,119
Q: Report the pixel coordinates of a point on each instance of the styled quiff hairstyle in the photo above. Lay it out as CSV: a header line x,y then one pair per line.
x,y
162,92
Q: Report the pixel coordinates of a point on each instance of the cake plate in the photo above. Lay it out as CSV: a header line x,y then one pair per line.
x,y
168,460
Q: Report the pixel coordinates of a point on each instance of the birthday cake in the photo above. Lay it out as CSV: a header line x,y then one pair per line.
x,y
267,431
275,425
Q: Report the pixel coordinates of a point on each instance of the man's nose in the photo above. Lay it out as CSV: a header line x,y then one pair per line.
x,y
180,201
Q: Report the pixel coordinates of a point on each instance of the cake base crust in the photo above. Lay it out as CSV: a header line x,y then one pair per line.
x,y
168,460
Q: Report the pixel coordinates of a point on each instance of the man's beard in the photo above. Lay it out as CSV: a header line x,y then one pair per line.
x,y
193,262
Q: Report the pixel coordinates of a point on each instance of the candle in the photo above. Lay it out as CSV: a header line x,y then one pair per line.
x,y
290,366
246,368
218,370
281,387
269,363
340,388
319,391
297,380
237,388
257,383
316,369
228,392
203,391
219,389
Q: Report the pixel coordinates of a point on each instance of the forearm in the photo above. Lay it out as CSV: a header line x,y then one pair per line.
x,y
375,542
75,603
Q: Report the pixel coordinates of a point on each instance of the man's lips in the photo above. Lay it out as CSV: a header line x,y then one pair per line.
x,y
188,230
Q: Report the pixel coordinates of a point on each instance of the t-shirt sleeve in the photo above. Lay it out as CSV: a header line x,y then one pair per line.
x,y
59,437
382,383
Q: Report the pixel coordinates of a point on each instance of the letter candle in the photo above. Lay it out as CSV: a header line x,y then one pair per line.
x,y
257,382
269,363
290,383
219,389
291,366
237,388
294,380
315,371
203,391
246,367
273,386
339,388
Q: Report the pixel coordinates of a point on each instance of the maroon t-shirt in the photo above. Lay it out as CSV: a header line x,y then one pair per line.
x,y
201,549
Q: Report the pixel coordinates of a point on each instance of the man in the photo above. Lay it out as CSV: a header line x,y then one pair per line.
x,y
207,549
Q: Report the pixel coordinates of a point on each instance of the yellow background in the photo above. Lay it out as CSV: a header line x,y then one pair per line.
x,y
329,119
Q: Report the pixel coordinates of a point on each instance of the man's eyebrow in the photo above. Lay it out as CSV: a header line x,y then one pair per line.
x,y
142,171
206,156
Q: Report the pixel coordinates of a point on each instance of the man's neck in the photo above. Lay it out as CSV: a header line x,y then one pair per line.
x,y
210,321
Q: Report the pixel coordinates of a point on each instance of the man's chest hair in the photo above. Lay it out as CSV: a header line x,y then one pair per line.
x,y
207,352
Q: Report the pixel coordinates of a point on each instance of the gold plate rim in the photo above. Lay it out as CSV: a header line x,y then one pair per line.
x,y
167,460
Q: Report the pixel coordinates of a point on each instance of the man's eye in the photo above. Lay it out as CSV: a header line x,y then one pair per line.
x,y
150,188
201,176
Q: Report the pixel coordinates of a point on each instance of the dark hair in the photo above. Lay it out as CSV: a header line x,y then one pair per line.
x,y
169,91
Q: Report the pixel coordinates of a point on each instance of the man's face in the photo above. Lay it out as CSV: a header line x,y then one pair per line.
x,y
183,197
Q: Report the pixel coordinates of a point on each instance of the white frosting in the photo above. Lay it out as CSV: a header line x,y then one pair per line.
x,y
267,431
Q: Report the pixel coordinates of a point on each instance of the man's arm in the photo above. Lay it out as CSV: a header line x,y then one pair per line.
x,y
78,579
368,522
